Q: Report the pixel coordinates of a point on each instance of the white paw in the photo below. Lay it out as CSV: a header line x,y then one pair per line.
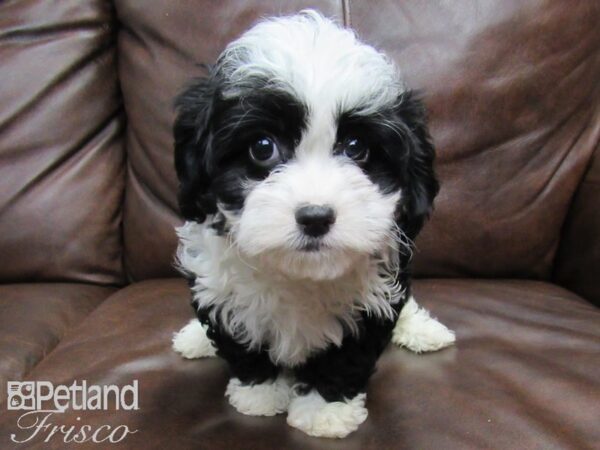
x,y
316,417
265,399
191,341
419,332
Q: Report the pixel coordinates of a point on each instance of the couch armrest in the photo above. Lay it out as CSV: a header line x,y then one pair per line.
x,y
577,265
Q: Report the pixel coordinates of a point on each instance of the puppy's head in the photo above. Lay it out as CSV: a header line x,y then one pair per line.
x,y
303,147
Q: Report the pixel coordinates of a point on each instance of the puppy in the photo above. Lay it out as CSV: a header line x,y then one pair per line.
x,y
306,172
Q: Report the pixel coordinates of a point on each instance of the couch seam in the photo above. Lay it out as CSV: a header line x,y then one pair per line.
x,y
347,18
555,269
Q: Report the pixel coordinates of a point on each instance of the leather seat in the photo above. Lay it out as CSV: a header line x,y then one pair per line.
x,y
35,317
524,374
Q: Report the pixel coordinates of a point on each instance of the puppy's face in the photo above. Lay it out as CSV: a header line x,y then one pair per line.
x,y
303,147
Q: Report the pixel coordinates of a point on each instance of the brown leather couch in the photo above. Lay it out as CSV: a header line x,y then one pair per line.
x,y
510,259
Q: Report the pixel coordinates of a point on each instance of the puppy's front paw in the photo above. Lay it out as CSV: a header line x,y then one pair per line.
x,y
312,414
264,399
191,341
419,332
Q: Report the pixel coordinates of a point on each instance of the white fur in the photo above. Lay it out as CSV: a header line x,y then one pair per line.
x,y
191,341
364,218
319,62
294,317
316,417
265,399
419,332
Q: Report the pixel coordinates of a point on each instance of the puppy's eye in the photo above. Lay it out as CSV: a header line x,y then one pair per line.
x,y
264,152
355,149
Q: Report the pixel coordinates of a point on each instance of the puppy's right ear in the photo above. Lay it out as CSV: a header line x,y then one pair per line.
x,y
195,108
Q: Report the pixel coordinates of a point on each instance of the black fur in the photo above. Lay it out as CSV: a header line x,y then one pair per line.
x,y
250,366
192,139
212,136
337,373
402,156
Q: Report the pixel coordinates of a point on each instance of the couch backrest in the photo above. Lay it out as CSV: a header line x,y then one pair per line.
x,y
61,152
511,90
511,87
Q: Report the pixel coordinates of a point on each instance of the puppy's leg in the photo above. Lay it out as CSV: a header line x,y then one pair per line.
x,y
256,387
329,400
191,341
418,331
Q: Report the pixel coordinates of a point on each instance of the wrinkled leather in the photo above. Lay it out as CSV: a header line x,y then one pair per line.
x,y
34,317
524,374
578,262
514,101
159,52
61,155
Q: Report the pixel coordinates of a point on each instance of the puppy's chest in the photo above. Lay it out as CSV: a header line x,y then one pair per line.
x,y
291,320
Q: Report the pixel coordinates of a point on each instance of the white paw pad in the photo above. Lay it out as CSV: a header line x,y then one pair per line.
x,y
265,399
419,332
312,414
191,341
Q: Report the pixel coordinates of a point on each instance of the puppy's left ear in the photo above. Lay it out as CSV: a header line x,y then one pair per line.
x,y
420,185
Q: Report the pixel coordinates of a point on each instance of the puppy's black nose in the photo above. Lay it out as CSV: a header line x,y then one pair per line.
x,y
315,220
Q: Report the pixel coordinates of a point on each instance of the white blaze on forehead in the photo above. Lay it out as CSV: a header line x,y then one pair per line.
x,y
320,134
318,62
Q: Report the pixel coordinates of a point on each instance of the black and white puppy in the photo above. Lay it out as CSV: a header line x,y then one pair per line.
x,y
306,172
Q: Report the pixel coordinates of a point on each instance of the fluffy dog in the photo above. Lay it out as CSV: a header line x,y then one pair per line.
x,y
306,172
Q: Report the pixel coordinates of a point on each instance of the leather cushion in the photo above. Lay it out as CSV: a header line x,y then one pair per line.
x,y
35,317
524,374
61,154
